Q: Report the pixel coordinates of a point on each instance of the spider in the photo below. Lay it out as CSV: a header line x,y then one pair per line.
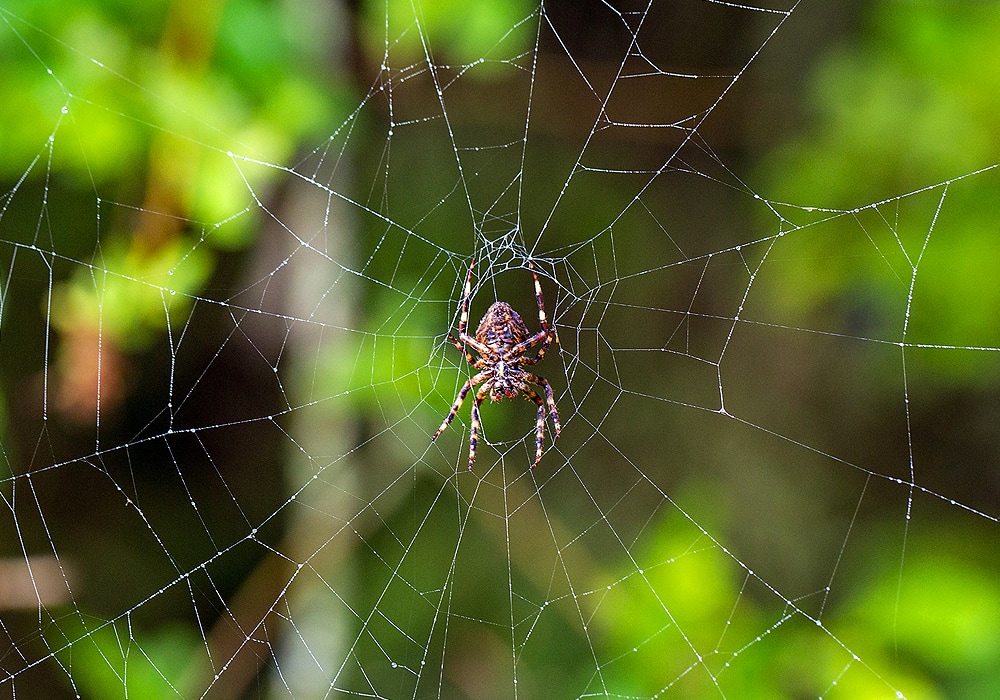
x,y
502,340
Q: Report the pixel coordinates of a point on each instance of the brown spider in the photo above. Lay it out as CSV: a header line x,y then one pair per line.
x,y
502,340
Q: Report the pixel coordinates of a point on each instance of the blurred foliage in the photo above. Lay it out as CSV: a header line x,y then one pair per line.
x,y
452,31
155,123
679,607
155,96
128,295
120,121
116,660
915,103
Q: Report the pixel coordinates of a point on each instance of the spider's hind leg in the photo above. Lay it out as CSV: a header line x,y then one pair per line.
x,y
474,429
549,399
458,403
539,425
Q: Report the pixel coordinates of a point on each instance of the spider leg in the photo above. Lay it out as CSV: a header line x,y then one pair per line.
x,y
474,429
547,334
538,297
463,322
469,340
458,402
524,360
531,342
539,426
478,364
549,399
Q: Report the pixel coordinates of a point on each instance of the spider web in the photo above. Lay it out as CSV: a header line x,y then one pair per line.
x,y
775,372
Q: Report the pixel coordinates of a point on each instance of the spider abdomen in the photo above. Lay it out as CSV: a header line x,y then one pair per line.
x,y
501,327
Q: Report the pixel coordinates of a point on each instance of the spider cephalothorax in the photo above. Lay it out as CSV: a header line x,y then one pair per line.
x,y
502,340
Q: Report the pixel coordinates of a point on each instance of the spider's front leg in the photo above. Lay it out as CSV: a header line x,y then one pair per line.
x,y
545,336
548,335
478,364
463,322
458,402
